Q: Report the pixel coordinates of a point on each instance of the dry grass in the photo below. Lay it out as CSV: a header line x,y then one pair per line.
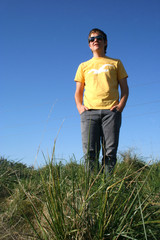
x,y
64,202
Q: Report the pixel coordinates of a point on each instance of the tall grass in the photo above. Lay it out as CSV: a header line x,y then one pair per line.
x,y
66,202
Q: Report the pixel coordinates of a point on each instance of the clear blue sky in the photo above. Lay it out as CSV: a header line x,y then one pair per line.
x,y
42,42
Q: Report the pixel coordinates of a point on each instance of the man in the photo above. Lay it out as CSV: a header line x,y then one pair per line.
x,y
100,108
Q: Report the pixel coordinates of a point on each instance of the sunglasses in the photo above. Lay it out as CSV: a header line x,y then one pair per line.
x,y
99,37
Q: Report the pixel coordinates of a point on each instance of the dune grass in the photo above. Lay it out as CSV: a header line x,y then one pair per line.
x,y
66,202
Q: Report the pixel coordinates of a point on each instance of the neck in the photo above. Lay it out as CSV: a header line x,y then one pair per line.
x,y
98,54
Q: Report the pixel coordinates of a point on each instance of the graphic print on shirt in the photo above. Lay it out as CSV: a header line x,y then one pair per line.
x,y
101,69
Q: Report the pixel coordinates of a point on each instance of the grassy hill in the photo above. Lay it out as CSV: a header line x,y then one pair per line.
x,y
64,202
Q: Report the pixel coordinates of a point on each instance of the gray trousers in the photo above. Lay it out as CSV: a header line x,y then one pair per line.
x,y
100,127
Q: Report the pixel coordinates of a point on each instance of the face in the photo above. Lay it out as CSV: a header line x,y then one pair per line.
x,y
97,44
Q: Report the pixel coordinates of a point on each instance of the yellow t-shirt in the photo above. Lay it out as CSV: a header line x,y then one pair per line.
x,y
101,77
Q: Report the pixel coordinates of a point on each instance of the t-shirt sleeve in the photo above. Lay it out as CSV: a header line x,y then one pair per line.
x,y
79,77
121,71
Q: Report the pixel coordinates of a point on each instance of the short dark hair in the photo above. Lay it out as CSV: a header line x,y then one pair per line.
x,y
94,30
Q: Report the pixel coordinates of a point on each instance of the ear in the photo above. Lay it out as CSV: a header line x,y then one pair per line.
x,y
89,44
105,43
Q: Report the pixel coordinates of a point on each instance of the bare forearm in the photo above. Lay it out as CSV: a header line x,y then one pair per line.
x,y
124,95
79,97
123,100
